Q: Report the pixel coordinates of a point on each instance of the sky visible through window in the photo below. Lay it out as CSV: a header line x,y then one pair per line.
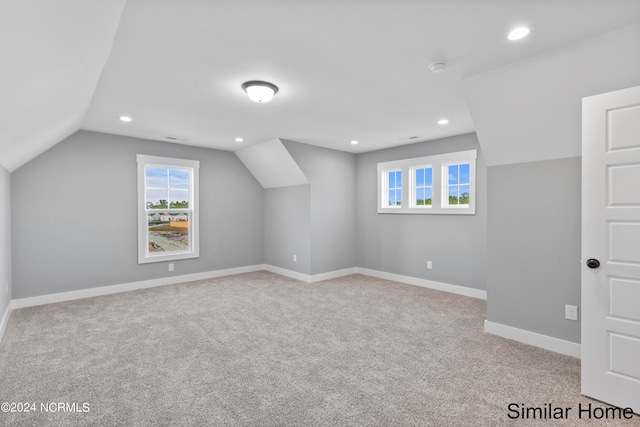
x,y
395,188
424,186
166,188
459,184
436,184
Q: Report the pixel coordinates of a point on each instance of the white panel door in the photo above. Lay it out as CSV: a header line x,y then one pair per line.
x,y
611,237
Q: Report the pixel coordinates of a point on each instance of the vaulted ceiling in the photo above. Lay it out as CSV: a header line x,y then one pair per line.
x,y
346,70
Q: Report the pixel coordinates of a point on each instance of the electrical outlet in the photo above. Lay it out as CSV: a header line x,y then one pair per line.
x,y
571,312
429,265
295,258
170,267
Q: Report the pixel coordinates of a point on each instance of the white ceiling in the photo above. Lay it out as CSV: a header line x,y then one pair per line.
x,y
532,110
346,69
272,165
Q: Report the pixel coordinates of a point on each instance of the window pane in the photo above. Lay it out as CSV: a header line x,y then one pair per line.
x,y
398,197
419,177
392,197
168,232
453,194
178,199
419,196
428,195
157,199
179,178
453,174
464,194
156,177
429,177
464,173
394,179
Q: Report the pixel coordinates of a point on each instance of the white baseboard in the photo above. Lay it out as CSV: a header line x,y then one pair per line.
x,y
332,274
521,335
5,320
125,287
454,289
532,338
309,278
288,273
114,289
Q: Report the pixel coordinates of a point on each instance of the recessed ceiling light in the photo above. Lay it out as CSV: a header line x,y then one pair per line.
x,y
125,119
354,142
238,139
518,33
443,121
259,91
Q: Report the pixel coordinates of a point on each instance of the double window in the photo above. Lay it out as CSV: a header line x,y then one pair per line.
x,y
439,184
167,209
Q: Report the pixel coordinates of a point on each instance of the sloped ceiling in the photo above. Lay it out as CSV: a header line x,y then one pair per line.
x,y
532,110
272,165
51,54
346,70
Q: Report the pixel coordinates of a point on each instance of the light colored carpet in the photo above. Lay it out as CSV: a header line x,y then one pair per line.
x,y
259,349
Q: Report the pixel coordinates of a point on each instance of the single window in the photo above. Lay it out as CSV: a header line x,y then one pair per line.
x,y
393,189
423,187
167,209
458,185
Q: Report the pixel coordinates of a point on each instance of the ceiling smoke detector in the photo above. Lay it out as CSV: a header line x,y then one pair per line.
x,y
438,67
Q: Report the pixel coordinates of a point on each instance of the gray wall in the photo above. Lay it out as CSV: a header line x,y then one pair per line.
x,y
331,175
74,215
5,239
523,250
402,243
534,246
287,227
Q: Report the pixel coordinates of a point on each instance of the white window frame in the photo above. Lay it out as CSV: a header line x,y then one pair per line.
x,y
445,184
439,197
144,256
385,188
414,188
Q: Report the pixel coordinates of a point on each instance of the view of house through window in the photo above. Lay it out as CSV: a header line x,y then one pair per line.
x,y
168,200
167,204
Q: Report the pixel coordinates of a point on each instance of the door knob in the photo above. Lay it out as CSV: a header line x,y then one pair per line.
x,y
593,263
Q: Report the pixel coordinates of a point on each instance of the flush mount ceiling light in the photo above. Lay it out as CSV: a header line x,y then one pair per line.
x,y
259,91
125,119
354,142
438,67
518,33
239,139
443,121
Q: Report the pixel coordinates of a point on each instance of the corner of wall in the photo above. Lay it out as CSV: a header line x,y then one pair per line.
x,y
5,248
534,246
